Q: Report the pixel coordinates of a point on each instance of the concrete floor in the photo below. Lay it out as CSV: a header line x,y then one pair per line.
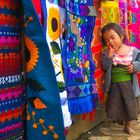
x,y
109,131
81,126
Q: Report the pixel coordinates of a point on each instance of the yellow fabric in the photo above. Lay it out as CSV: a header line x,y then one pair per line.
x,y
109,12
112,4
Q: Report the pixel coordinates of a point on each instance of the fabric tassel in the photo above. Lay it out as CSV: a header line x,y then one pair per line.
x,y
91,115
84,104
84,116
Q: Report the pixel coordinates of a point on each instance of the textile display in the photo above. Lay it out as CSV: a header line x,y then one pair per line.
x,y
12,88
97,50
138,2
96,47
55,38
44,114
134,23
130,20
134,33
123,14
77,57
109,12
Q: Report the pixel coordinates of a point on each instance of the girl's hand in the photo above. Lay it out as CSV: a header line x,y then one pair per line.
x,y
130,68
111,52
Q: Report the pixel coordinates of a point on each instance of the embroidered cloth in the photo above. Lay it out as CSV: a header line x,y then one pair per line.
x,y
44,114
55,22
77,58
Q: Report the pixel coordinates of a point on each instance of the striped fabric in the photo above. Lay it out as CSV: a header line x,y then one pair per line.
x,y
12,89
123,59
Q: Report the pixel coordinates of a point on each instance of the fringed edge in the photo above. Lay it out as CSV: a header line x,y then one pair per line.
x,y
83,105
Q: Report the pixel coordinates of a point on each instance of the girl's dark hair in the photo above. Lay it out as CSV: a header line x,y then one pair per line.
x,y
117,28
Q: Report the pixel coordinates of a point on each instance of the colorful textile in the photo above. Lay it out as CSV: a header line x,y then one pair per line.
x,y
77,58
97,51
12,88
42,91
54,36
123,14
109,12
130,21
134,23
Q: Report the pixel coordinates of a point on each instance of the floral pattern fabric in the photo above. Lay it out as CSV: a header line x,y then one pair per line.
x,y
44,114
77,58
54,36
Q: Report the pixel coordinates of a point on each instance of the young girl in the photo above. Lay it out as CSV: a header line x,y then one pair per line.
x,y
120,63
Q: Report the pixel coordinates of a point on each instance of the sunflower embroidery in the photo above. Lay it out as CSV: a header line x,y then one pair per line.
x,y
32,54
54,27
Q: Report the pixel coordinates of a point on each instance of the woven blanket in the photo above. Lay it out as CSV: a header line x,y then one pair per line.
x,y
109,12
12,88
97,50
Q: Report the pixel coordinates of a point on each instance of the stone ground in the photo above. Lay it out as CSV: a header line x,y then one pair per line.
x,y
109,131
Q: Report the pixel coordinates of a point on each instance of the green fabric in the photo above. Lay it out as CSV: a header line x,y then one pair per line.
x,y
120,75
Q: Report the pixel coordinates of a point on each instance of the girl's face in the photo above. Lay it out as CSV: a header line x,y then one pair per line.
x,y
112,39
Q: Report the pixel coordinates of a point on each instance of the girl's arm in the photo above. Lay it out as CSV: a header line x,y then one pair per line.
x,y
105,60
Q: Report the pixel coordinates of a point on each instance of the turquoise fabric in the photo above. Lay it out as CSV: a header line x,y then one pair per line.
x,y
44,115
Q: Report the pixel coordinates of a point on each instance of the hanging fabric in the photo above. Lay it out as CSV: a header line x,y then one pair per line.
x,y
96,47
134,23
42,90
12,88
55,29
77,57
109,12
123,15
97,51
37,6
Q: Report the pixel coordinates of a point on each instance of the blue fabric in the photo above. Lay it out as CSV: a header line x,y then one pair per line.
x,y
47,92
84,104
77,57
43,4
